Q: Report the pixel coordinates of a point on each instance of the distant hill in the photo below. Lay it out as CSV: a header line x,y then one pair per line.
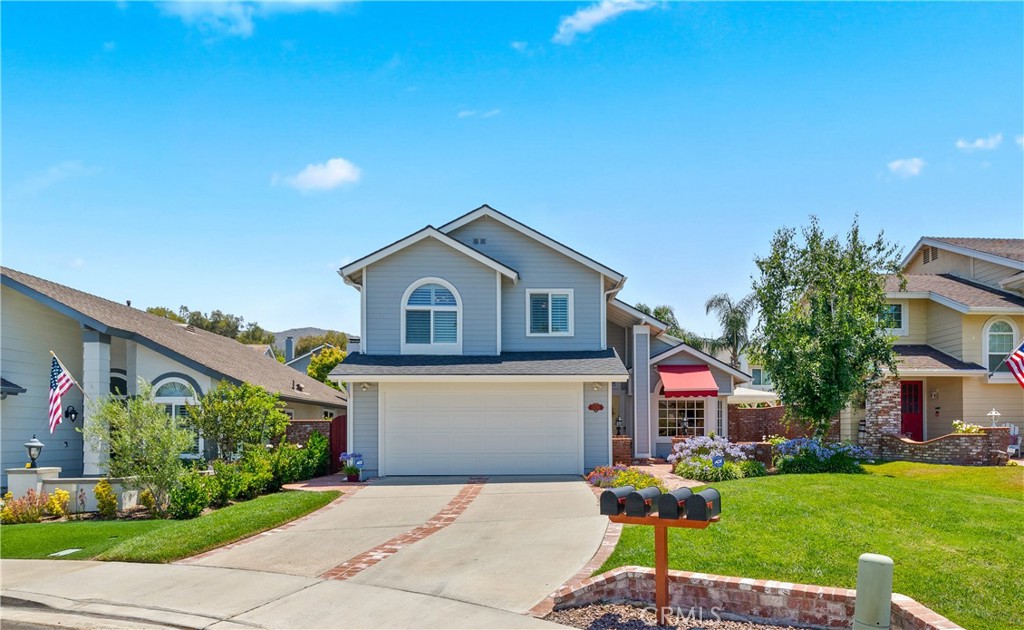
x,y
279,337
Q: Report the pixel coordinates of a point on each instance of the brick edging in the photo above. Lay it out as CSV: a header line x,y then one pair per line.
x,y
745,598
451,511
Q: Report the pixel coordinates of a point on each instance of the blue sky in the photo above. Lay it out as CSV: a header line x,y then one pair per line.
x,y
234,155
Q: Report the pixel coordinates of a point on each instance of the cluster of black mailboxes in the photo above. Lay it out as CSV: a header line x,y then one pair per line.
x,y
680,503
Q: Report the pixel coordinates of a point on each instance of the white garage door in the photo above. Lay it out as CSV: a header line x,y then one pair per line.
x,y
481,429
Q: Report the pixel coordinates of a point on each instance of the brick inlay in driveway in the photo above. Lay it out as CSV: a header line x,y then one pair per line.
x,y
453,510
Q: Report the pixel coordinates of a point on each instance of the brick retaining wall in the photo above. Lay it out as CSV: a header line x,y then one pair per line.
x,y
300,430
753,424
744,598
964,449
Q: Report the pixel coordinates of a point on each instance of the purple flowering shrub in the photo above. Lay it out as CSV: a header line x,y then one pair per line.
x,y
693,458
617,476
809,455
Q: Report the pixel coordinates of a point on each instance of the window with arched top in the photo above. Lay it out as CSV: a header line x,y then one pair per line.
x,y
998,343
431,318
176,395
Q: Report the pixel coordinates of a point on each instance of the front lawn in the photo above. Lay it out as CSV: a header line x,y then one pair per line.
x,y
160,540
954,533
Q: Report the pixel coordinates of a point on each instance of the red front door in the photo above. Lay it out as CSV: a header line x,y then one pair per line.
x,y
912,408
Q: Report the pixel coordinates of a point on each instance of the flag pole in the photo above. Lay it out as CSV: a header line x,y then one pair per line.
x,y
68,372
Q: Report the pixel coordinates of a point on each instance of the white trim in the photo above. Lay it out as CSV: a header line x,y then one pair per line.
x,y
487,211
350,414
497,330
444,239
611,425
303,356
640,315
363,345
904,329
549,293
181,401
707,358
964,251
432,348
483,378
942,372
580,400
998,377
381,419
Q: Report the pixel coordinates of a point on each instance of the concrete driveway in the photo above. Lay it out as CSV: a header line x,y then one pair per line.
x,y
402,552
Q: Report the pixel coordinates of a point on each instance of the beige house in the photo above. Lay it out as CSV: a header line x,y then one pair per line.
x,y
959,315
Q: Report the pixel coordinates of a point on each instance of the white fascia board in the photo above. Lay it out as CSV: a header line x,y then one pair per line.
x,y
484,378
946,372
707,358
928,295
964,251
487,211
429,232
996,310
644,318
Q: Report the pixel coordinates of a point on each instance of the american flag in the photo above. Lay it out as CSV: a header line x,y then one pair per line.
x,y
1016,363
60,382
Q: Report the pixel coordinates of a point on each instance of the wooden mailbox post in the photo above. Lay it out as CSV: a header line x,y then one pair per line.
x,y
679,508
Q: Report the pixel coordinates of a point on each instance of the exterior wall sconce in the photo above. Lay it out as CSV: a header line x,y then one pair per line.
x,y
364,387
597,387
71,413
934,394
33,447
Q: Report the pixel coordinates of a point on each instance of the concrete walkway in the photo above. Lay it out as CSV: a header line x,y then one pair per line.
x,y
481,564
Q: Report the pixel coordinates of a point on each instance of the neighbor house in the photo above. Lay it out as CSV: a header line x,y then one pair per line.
x,y
107,347
487,347
959,315
301,362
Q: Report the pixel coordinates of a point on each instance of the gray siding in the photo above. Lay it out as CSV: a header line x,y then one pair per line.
x,y
28,331
387,280
617,339
364,415
539,267
641,398
658,346
596,426
991,273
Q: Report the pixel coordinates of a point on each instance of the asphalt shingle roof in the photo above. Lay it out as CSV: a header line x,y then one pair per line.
x,y
1012,248
589,363
221,355
924,357
957,289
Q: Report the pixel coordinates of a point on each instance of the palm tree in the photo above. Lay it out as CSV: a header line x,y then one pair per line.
x,y
665,314
734,318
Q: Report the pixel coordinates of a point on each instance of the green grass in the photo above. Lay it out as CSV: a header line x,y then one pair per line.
x,y
956,535
160,541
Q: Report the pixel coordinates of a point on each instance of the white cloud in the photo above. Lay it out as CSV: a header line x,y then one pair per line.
x,y
1020,141
590,17
520,46
467,113
237,19
472,113
58,173
490,113
330,174
906,167
980,144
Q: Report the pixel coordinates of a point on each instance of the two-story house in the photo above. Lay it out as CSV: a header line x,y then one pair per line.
x,y
959,315
487,347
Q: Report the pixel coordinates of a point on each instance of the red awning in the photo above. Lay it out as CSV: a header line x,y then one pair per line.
x,y
687,381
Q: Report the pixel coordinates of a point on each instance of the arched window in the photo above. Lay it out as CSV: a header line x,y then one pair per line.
x,y
999,337
431,318
176,395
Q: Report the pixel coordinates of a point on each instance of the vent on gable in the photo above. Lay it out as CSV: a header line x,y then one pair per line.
x,y
479,241
930,254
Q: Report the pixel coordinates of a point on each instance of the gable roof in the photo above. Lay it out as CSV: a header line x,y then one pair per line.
x,y
262,348
638,315
703,356
958,294
203,351
1001,251
428,232
487,211
313,351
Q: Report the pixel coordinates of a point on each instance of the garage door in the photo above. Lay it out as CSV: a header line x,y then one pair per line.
x,y
486,429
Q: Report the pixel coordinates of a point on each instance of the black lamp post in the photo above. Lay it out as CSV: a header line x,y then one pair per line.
x,y
34,448
620,425
71,413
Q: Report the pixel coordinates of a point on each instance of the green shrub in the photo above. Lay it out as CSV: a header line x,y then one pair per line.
x,y
226,484
701,469
257,473
318,453
190,497
106,500
147,500
27,509
753,468
808,455
288,462
57,504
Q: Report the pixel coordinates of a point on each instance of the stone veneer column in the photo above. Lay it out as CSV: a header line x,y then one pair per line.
x,y
882,414
96,383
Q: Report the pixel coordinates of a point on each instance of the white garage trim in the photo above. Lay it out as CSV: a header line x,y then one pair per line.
x,y
480,428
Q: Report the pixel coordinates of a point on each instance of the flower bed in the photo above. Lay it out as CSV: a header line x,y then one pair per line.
x,y
809,455
618,476
712,458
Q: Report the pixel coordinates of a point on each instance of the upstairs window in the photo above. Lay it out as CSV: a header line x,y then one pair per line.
x,y
759,376
549,312
999,340
894,318
430,318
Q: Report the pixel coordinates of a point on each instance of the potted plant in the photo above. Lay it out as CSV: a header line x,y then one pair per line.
x,y
351,472
350,468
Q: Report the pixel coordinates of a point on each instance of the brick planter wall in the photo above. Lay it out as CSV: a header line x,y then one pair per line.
x,y
744,598
987,448
753,424
300,430
622,449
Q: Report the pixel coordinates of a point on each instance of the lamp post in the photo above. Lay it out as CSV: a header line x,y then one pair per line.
x,y
34,447
620,425
994,415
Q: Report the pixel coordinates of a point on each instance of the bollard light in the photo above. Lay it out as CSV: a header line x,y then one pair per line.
x,y
34,447
873,606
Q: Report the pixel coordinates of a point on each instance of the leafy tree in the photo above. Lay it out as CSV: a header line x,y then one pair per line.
x,y
734,318
667,315
232,416
323,362
145,442
820,334
253,333
309,342
163,311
